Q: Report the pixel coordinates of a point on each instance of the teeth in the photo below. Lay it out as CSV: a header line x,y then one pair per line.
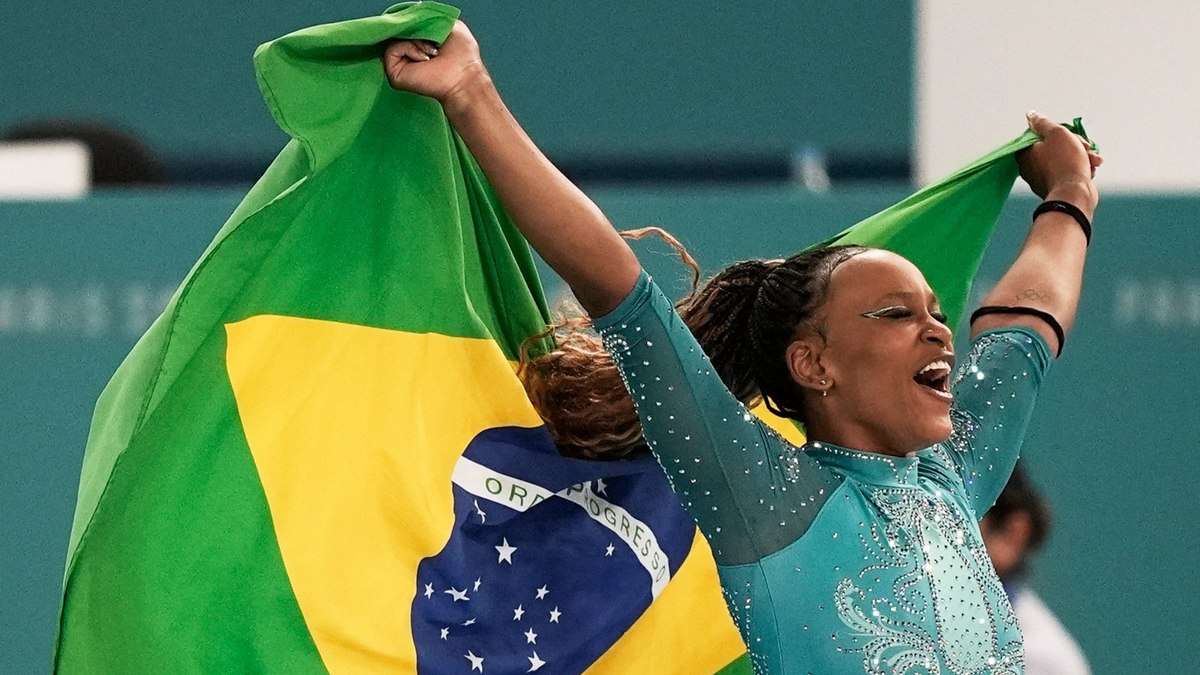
x,y
936,365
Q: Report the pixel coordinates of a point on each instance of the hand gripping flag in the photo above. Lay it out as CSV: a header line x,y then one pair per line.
x,y
319,458
943,229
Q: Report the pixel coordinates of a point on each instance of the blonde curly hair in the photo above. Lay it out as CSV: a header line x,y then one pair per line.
x,y
575,386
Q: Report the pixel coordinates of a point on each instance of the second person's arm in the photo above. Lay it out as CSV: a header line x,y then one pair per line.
x,y
561,223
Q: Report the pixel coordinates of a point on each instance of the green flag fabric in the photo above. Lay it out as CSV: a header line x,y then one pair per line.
x,y
310,461
319,459
944,229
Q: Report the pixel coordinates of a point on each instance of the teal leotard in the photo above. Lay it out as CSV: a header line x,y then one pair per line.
x,y
834,560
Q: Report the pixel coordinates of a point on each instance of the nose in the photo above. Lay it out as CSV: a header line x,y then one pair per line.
x,y
938,333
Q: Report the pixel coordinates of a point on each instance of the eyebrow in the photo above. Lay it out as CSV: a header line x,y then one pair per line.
x,y
905,295
899,295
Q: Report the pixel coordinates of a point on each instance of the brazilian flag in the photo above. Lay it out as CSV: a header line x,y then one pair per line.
x,y
319,458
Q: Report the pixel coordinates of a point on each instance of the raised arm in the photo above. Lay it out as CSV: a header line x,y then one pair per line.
x,y
561,223
1048,273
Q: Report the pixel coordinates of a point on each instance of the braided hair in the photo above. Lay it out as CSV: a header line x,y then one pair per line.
x,y
749,313
744,318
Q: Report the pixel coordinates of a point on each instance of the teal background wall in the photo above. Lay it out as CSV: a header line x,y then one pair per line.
x,y
596,79
1113,443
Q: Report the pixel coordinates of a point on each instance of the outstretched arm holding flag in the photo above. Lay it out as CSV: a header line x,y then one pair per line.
x,y
562,224
860,550
1048,273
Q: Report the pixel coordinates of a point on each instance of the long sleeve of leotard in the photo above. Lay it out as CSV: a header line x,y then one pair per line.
x,y
995,389
750,491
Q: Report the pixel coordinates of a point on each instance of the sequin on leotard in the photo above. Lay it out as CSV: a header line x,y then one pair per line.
x,y
834,560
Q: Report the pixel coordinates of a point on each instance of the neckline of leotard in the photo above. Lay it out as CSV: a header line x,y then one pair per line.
x,y
870,467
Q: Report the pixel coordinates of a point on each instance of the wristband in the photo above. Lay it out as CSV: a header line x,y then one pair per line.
x,y
1069,209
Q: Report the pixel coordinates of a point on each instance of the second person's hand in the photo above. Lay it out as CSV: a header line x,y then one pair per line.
x,y
422,68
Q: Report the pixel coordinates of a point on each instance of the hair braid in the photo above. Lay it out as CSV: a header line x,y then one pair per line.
x,y
744,318
786,306
720,316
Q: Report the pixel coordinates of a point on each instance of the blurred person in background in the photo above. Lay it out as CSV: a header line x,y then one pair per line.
x,y
1015,528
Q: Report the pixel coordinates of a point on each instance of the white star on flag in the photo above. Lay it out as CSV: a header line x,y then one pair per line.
x,y
457,594
554,614
479,512
429,590
476,661
477,583
518,612
469,622
445,633
506,552
601,487
609,551
534,662
541,592
530,637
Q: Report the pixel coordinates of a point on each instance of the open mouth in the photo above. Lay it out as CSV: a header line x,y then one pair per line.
x,y
936,377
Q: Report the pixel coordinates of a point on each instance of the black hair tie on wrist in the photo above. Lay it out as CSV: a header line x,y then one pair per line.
x,y
1069,209
1044,316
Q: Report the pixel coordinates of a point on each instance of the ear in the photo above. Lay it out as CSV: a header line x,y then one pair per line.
x,y
805,364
